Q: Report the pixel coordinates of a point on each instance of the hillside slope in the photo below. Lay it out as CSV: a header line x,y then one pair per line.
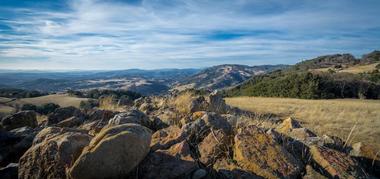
x,y
310,80
224,76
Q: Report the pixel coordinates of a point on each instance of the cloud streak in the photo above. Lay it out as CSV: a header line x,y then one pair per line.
x,y
94,34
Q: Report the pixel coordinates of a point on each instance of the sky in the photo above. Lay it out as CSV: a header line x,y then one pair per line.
x,y
152,34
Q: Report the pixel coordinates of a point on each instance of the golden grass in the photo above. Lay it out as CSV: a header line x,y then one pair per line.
x,y
353,69
360,68
5,100
63,100
182,102
108,103
332,117
6,109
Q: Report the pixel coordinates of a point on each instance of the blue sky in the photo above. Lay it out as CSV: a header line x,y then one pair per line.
x,y
151,34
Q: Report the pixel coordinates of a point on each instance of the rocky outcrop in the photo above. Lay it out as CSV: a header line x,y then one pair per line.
x,y
175,162
61,114
213,146
51,154
131,116
217,103
165,138
113,153
335,163
258,152
20,119
71,122
14,144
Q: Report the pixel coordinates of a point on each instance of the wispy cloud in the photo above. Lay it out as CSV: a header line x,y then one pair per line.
x,y
94,34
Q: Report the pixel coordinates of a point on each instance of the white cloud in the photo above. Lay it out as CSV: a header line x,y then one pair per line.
x,y
95,34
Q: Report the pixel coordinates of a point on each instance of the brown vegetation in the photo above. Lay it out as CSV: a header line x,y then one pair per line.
x,y
332,117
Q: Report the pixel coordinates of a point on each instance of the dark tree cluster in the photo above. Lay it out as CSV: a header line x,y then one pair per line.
x,y
307,85
42,109
19,93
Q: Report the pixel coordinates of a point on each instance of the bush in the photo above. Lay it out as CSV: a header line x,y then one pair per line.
x,y
47,108
29,107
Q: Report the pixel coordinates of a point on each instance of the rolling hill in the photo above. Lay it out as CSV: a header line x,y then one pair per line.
x,y
224,76
330,76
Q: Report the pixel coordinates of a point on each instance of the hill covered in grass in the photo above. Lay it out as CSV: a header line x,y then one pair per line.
x,y
306,80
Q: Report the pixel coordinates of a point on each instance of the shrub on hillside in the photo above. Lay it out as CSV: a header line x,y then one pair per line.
x,y
307,85
42,109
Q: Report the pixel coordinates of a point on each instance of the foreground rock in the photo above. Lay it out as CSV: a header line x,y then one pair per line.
x,y
165,138
213,146
175,162
20,119
131,116
61,114
14,144
258,152
49,156
335,163
113,153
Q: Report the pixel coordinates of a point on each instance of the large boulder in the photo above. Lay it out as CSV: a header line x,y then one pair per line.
x,y
216,122
52,132
165,138
257,152
113,153
175,162
335,163
198,104
213,146
217,103
50,157
61,114
71,122
131,116
20,119
14,144
103,115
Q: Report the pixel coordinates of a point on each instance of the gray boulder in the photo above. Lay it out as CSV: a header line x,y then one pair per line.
x,y
20,119
113,153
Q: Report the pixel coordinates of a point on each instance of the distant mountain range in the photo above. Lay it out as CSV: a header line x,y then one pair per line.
x,y
224,76
146,82
241,79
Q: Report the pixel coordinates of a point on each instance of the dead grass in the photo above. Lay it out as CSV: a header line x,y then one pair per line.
x,y
353,69
108,103
332,117
182,102
63,100
6,109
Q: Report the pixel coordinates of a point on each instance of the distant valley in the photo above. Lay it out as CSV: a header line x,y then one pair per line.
x,y
146,82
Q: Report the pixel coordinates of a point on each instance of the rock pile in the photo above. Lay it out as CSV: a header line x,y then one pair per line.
x,y
152,140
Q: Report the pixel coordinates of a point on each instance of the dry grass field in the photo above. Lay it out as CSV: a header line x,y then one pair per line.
x,y
353,69
63,100
6,109
333,117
